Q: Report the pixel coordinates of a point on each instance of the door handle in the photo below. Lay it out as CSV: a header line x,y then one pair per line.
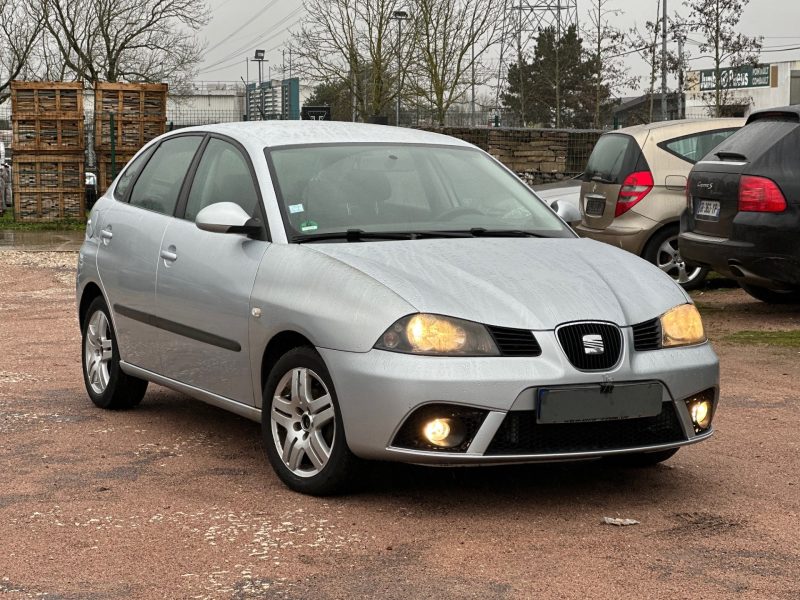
x,y
169,254
106,233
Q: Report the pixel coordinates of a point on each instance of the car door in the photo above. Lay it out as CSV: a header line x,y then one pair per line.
x,y
131,231
205,279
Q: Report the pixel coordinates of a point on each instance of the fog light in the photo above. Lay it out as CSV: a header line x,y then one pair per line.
x,y
701,409
444,433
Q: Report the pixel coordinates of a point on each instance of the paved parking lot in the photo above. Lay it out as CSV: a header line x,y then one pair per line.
x,y
175,499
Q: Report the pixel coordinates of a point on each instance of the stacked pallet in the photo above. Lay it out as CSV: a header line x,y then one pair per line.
x,y
139,114
48,142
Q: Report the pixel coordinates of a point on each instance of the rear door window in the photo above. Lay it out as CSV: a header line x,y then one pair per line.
x,y
614,157
159,185
692,148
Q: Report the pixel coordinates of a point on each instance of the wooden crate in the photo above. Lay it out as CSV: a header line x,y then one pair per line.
x,y
104,168
47,98
140,114
51,133
48,187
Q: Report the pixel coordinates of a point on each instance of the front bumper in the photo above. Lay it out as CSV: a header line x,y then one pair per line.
x,y
378,390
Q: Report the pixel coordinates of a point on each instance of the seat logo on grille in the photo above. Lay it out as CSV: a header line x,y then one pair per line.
x,y
593,344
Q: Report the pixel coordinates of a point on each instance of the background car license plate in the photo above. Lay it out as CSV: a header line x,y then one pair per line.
x,y
708,210
594,403
595,206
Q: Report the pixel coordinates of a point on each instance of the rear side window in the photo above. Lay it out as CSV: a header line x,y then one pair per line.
x,y
159,185
692,148
614,157
753,140
130,174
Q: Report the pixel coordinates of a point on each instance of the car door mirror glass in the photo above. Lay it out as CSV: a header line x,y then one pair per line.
x,y
227,217
675,183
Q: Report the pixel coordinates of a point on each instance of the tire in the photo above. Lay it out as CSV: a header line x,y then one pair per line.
x,y
107,385
641,459
662,250
772,296
302,428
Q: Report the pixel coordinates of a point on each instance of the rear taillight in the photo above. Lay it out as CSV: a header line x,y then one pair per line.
x,y
635,187
759,194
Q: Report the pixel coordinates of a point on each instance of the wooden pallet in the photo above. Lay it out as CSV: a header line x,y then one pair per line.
x,y
140,114
51,133
47,186
47,98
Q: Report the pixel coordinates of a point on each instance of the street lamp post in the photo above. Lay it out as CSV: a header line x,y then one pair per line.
x,y
399,16
259,58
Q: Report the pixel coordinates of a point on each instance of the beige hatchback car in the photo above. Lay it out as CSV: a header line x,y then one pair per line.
x,y
634,189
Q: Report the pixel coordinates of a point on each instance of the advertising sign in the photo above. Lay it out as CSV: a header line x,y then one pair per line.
x,y
731,78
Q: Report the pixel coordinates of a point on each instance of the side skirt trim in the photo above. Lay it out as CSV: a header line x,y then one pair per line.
x,y
248,412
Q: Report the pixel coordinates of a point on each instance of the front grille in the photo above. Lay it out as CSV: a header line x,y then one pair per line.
x,y
521,434
410,434
647,335
515,342
576,340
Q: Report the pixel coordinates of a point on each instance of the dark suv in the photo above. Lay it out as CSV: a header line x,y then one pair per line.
x,y
743,207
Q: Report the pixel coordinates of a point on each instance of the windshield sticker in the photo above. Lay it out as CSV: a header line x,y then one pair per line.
x,y
296,208
308,226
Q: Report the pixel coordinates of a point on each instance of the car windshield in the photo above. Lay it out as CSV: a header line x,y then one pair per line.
x,y
395,188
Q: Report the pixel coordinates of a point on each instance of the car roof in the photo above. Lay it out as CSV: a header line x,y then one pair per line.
x,y
788,112
286,133
664,130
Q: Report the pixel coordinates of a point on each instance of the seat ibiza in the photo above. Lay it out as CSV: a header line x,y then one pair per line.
x,y
367,292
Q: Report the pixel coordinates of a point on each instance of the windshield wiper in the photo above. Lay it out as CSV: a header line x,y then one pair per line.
x,y
723,154
483,232
599,178
359,235
353,235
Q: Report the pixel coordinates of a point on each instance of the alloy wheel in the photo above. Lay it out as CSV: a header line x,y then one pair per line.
x,y
669,260
303,422
98,352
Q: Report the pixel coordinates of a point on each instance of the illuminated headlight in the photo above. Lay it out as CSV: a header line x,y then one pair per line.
x,y
437,335
682,326
444,433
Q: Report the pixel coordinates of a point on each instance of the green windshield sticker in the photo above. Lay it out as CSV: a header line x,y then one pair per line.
x,y
308,226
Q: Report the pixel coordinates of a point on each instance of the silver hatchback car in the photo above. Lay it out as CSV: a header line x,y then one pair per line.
x,y
367,292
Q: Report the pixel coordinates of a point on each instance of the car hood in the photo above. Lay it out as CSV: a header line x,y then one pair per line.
x,y
527,283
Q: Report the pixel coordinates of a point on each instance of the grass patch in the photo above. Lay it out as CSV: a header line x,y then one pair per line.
x,y
8,223
785,339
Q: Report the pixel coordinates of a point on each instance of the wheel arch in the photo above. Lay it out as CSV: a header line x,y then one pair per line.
x,y
674,224
90,291
278,345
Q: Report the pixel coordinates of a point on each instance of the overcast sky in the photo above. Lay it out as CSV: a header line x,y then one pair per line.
x,y
238,27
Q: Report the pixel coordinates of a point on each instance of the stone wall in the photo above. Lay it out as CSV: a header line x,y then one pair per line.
x,y
537,155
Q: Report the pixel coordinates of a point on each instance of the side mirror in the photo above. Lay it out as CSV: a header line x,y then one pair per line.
x,y
566,211
227,217
675,183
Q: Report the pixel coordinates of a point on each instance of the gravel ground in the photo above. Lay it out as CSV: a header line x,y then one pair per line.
x,y
175,499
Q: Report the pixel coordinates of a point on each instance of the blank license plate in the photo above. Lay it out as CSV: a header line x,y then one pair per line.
x,y
593,403
595,206
708,210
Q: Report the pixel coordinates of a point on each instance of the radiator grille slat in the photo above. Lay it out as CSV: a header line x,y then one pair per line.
x,y
515,342
521,434
578,340
647,335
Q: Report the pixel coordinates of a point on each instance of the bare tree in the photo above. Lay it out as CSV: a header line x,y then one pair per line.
x,y
127,40
606,45
452,37
20,29
350,42
714,22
